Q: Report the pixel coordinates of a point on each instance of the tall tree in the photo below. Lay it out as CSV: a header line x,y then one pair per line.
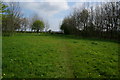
x,y
11,21
84,18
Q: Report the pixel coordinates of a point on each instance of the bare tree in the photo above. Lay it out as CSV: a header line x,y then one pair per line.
x,y
12,18
102,21
24,24
47,26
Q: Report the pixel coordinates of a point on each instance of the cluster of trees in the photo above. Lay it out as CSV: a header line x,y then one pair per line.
x,y
102,21
13,20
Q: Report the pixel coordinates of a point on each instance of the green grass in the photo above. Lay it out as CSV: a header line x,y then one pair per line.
x,y
58,56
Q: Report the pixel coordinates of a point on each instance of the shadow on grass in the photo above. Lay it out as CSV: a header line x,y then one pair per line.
x,y
82,38
63,36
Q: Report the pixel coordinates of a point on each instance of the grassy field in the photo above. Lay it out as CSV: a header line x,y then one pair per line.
x,y
58,56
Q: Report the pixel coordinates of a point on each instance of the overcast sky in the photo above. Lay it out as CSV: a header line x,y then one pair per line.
x,y
53,11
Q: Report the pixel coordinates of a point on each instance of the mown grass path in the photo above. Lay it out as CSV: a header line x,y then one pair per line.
x,y
66,55
58,56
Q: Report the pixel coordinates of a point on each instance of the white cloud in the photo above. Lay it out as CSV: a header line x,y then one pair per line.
x,y
81,5
61,0
78,5
46,8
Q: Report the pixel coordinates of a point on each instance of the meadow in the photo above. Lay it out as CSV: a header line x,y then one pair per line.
x,y
31,55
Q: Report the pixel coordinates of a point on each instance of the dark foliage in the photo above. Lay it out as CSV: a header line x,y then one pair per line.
x,y
101,22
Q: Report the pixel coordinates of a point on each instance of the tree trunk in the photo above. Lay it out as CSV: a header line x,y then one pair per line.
x,y
37,30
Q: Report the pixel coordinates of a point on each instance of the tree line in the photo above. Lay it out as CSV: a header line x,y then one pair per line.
x,y
13,20
101,21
